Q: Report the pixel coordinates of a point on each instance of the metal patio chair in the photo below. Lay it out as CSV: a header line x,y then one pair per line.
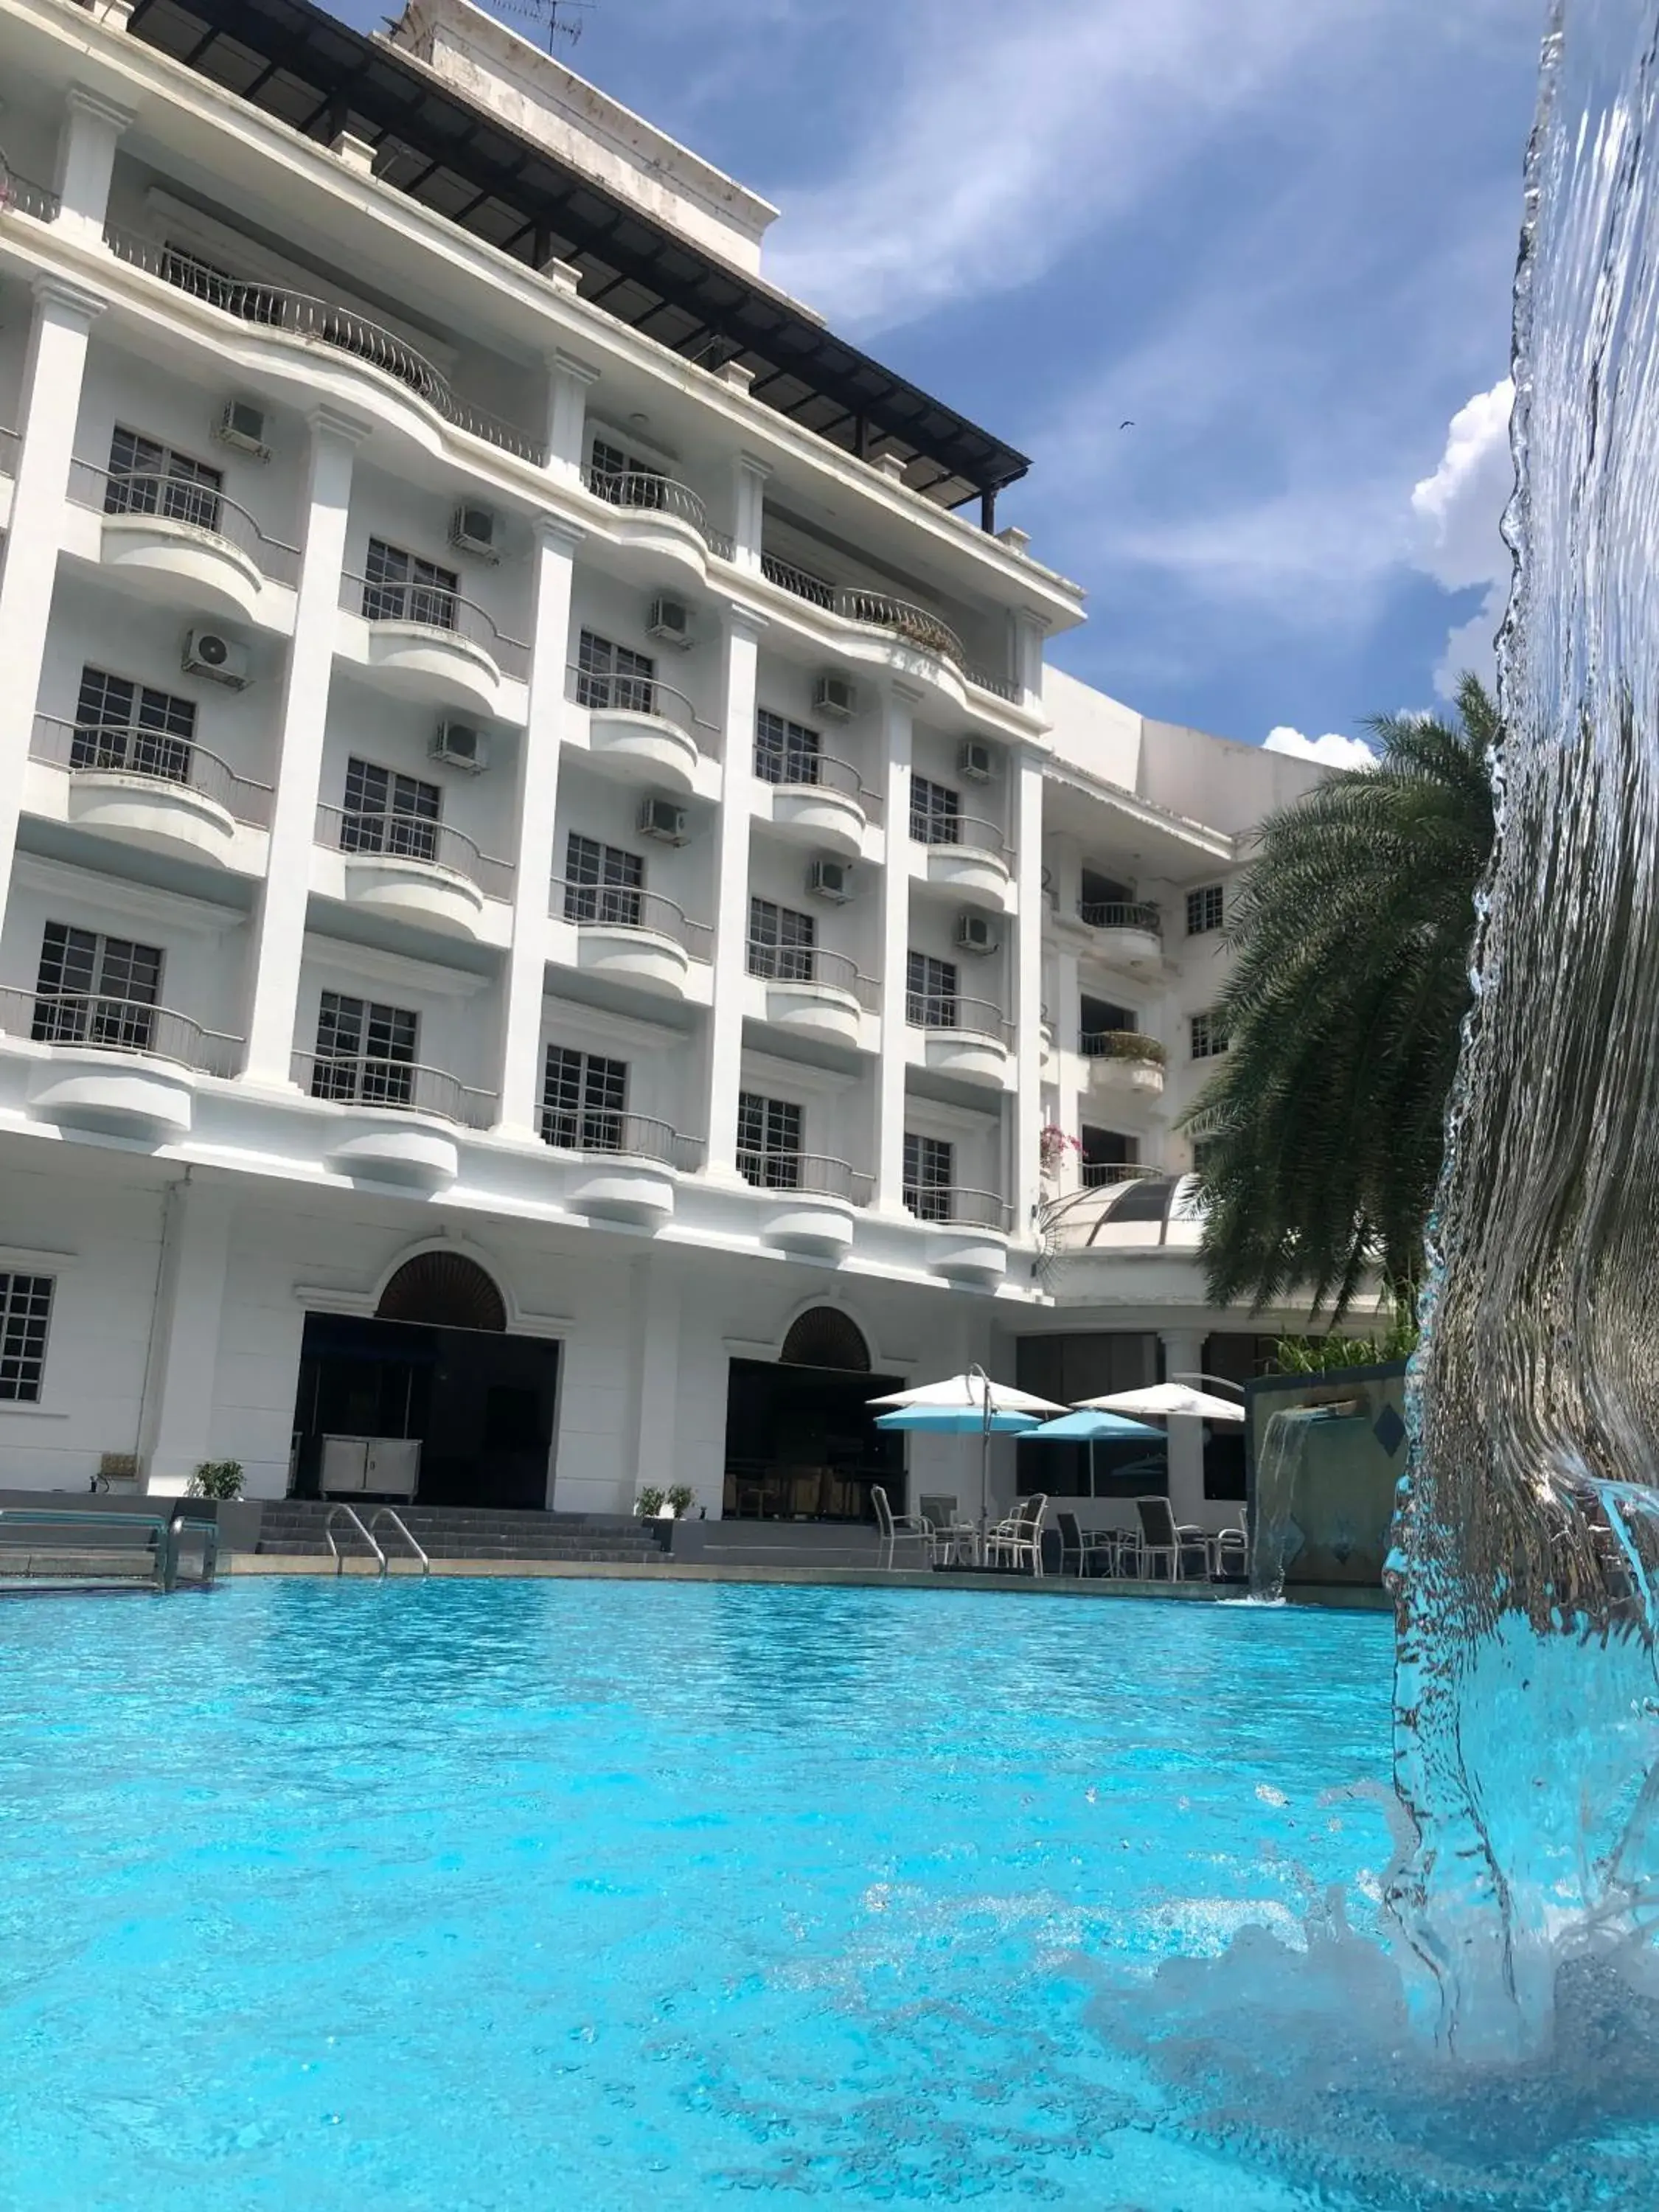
x,y
893,1529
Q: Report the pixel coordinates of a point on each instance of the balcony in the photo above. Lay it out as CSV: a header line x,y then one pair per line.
x,y
420,871
144,787
1125,936
1123,1063
966,856
626,1166
397,1117
23,195
427,643
633,937
968,1231
172,539
813,993
967,1038
640,729
10,446
1107,1175
659,514
896,619
812,1200
814,800
116,1067
304,321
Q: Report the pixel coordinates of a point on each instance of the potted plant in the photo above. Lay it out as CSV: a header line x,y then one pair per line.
x,y
239,1518
648,1506
681,1499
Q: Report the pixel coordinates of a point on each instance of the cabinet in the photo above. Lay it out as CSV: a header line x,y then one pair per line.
x,y
382,1467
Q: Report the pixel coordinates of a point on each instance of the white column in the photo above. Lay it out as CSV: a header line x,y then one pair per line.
x,y
175,1434
725,1070
86,159
656,1315
749,475
897,727
1184,1354
568,382
1029,632
1070,1073
53,372
1026,808
538,799
279,937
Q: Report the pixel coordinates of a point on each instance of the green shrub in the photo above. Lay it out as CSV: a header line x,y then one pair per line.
x,y
217,1478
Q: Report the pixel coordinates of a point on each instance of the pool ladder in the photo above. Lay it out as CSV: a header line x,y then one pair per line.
x,y
366,1530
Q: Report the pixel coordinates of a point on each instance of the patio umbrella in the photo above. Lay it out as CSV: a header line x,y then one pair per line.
x,y
1091,1428
965,1405
1163,1399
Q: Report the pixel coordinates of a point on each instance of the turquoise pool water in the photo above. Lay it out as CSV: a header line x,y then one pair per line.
x,y
477,1897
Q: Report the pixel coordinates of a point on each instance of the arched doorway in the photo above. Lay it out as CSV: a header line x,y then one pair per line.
x,y
825,1337
444,1290
801,1441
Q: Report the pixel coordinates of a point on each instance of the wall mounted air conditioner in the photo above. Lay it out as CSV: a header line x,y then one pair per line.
x,y
219,659
977,761
671,620
831,880
836,697
242,426
975,934
459,744
661,819
475,530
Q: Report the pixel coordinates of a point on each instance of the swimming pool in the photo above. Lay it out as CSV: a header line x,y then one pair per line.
x,y
490,1895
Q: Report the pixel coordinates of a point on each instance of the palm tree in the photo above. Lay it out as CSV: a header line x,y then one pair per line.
x,y
1321,1135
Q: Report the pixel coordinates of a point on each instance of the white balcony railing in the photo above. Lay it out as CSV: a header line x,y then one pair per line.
x,y
612,691
630,1136
644,491
814,1174
969,833
361,832
620,906
965,1208
949,1011
917,626
434,607
92,1020
394,1086
201,509
810,964
132,748
1134,915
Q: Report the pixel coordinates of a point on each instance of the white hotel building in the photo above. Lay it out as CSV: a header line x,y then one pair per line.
x,y
549,899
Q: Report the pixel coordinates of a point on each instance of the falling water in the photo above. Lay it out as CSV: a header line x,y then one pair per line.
x,y
1274,1537
1527,1752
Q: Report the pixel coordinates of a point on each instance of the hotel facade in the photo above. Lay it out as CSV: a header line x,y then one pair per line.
x,y
558,932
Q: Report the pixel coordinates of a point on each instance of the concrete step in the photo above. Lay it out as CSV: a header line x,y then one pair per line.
x,y
296,1527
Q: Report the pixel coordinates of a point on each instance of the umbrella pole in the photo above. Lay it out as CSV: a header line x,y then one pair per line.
x,y
984,1455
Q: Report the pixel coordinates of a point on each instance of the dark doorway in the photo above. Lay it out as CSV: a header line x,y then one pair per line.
x,y
801,1440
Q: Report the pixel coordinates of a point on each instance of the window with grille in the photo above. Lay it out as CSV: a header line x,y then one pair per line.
x,y
385,812
784,751
614,676
93,989
25,1313
602,883
930,992
622,477
400,586
929,1174
781,942
583,1098
147,477
365,1051
132,727
935,812
1209,1035
1206,910
768,1141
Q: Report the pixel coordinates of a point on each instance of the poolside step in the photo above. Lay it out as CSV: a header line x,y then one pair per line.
x,y
296,1527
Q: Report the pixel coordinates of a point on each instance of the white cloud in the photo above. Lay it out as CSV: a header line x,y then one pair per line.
x,y
1330,751
1457,512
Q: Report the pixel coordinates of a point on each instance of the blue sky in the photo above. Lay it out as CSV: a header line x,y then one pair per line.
x,y
1279,234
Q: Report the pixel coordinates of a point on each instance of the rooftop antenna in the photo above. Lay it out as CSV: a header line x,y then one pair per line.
x,y
555,19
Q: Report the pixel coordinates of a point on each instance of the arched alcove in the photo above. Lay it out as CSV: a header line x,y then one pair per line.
x,y
826,1337
443,1290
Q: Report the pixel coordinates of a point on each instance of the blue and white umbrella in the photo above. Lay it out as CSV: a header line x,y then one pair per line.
x,y
970,1405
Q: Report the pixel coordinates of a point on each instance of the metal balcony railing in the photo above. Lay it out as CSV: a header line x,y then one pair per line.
x,y
918,626
322,322
810,964
201,508
967,1209
130,749
813,1173
612,691
799,770
1137,915
21,195
434,607
620,906
643,491
630,1136
107,1023
1121,1044
1104,1175
969,832
10,446
398,1086
947,1011
362,832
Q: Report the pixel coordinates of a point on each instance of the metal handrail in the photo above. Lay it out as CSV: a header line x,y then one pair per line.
x,y
160,1530
811,963
949,1011
644,491
815,1173
326,322
1103,1175
390,1513
610,1130
370,834
803,771
12,444
392,1086
800,583
1121,1044
23,195
610,691
185,503
1130,913
720,542
917,625
620,906
436,609
972,832
351,1515
156,755
100,1021
956,1204
1003,687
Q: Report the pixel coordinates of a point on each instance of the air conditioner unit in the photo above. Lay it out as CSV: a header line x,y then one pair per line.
x,y
671,620
459,744
975,762
835,696
831,880
661,819
243,426
475,530
976,934
207,653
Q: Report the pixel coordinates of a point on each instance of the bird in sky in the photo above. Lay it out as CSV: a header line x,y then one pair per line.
x,y
1129,425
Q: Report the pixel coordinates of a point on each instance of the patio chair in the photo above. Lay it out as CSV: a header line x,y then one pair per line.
x,y
1018,1541
1230,1553
1178,1544
953,1540
1093,1550
893,1529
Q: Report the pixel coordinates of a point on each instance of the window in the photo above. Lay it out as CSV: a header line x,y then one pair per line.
x,y
389,813
1208,1035
1206,910
624,478
930,992
1100,1019
93,989
25,1311
768,1141
119,725
583,1096
602,883
780,942
364,1051
614,676
929,1172
786,752
146,477
935,812
400,586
